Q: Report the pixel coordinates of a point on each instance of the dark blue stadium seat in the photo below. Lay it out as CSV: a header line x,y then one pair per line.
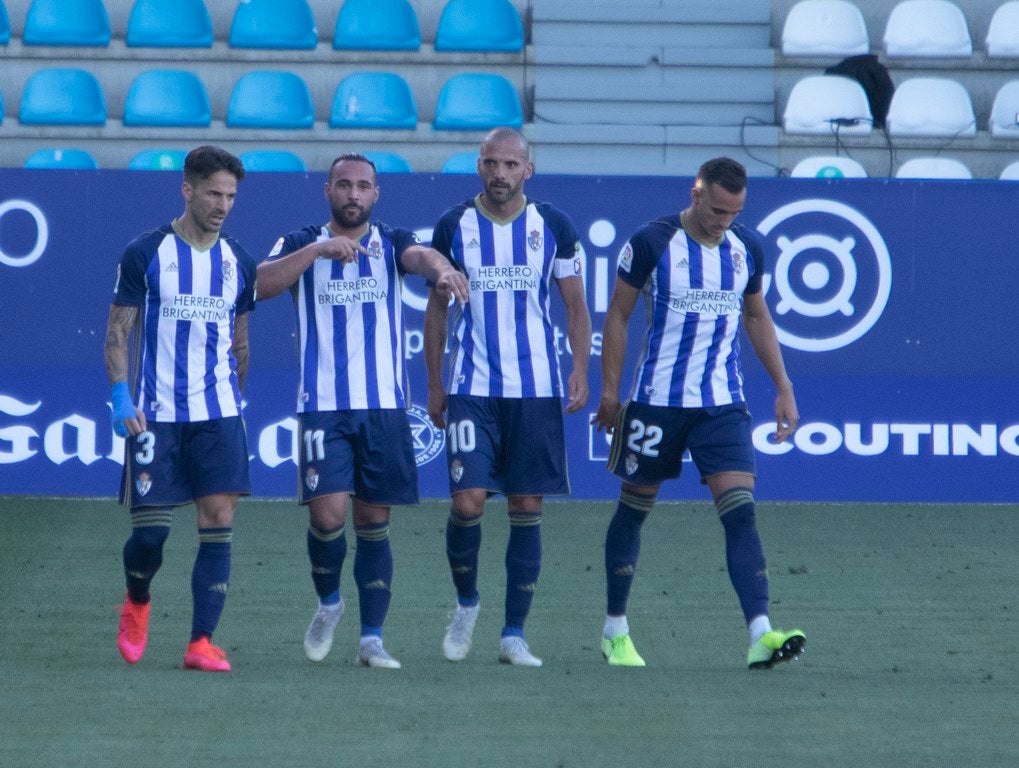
x,y
470,102
389,162
272,160
169,24
270,99
62,97
380,25
274,24
61,158
167,97
66,22
479,25
158,160
373,100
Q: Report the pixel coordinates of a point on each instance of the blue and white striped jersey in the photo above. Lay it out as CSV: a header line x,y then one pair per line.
x,y
694,298
350,323
503,340
188,300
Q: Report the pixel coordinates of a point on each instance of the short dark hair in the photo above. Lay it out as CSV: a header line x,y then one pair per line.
x,y
353,156
202,162
724,171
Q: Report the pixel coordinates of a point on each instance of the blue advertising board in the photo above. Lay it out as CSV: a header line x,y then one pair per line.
x,y
893,301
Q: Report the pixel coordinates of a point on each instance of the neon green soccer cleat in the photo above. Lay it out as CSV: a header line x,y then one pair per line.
x,y
619,652
774,647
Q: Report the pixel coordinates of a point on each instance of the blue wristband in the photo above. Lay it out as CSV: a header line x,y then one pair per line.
x,y
123,408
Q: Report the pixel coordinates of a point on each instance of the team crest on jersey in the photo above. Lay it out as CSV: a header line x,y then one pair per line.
x,y
626,258
738,262
631,463
311,479
143,484
534,240
228,271
375,249
456,470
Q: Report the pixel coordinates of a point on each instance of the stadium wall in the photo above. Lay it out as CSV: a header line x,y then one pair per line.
x,y
893,301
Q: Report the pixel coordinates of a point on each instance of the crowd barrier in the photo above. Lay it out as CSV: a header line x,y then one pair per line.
x,y
894,302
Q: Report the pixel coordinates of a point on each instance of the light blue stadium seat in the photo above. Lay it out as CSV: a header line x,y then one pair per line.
x,y
272,160
462,162
5,25
479,25
169,24
270,99
373,100
379,25
389,162
61,158
167,97
278,24
158,160
62,97
66,22
470,102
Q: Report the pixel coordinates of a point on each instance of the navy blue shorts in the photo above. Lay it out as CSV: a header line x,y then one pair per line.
x,y
649,441
512,446
174,463
368,453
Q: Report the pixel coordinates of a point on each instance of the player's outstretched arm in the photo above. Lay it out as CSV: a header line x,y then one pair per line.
x,y
273,276
437,270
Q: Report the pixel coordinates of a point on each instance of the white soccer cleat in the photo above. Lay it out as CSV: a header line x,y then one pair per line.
x,y
373,654
459,634
513,650
318,640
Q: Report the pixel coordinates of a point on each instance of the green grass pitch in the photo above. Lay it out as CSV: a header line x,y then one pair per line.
x,y
910,612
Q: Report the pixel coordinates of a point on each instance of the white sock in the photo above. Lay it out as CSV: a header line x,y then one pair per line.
x,y
758,626
616,625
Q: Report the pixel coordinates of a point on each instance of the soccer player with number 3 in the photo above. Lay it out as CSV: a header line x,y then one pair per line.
x,y
183,291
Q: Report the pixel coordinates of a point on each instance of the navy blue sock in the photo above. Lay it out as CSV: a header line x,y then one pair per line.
x,y
210,579
373,574
143,551
463,540
622,548
523,563
744,554
326,552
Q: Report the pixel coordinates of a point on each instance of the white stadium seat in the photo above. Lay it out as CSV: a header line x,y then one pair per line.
x,y
824,104
927,28
933,168
828,167
1004,121
824,28
1011,172
931,106
1003,31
